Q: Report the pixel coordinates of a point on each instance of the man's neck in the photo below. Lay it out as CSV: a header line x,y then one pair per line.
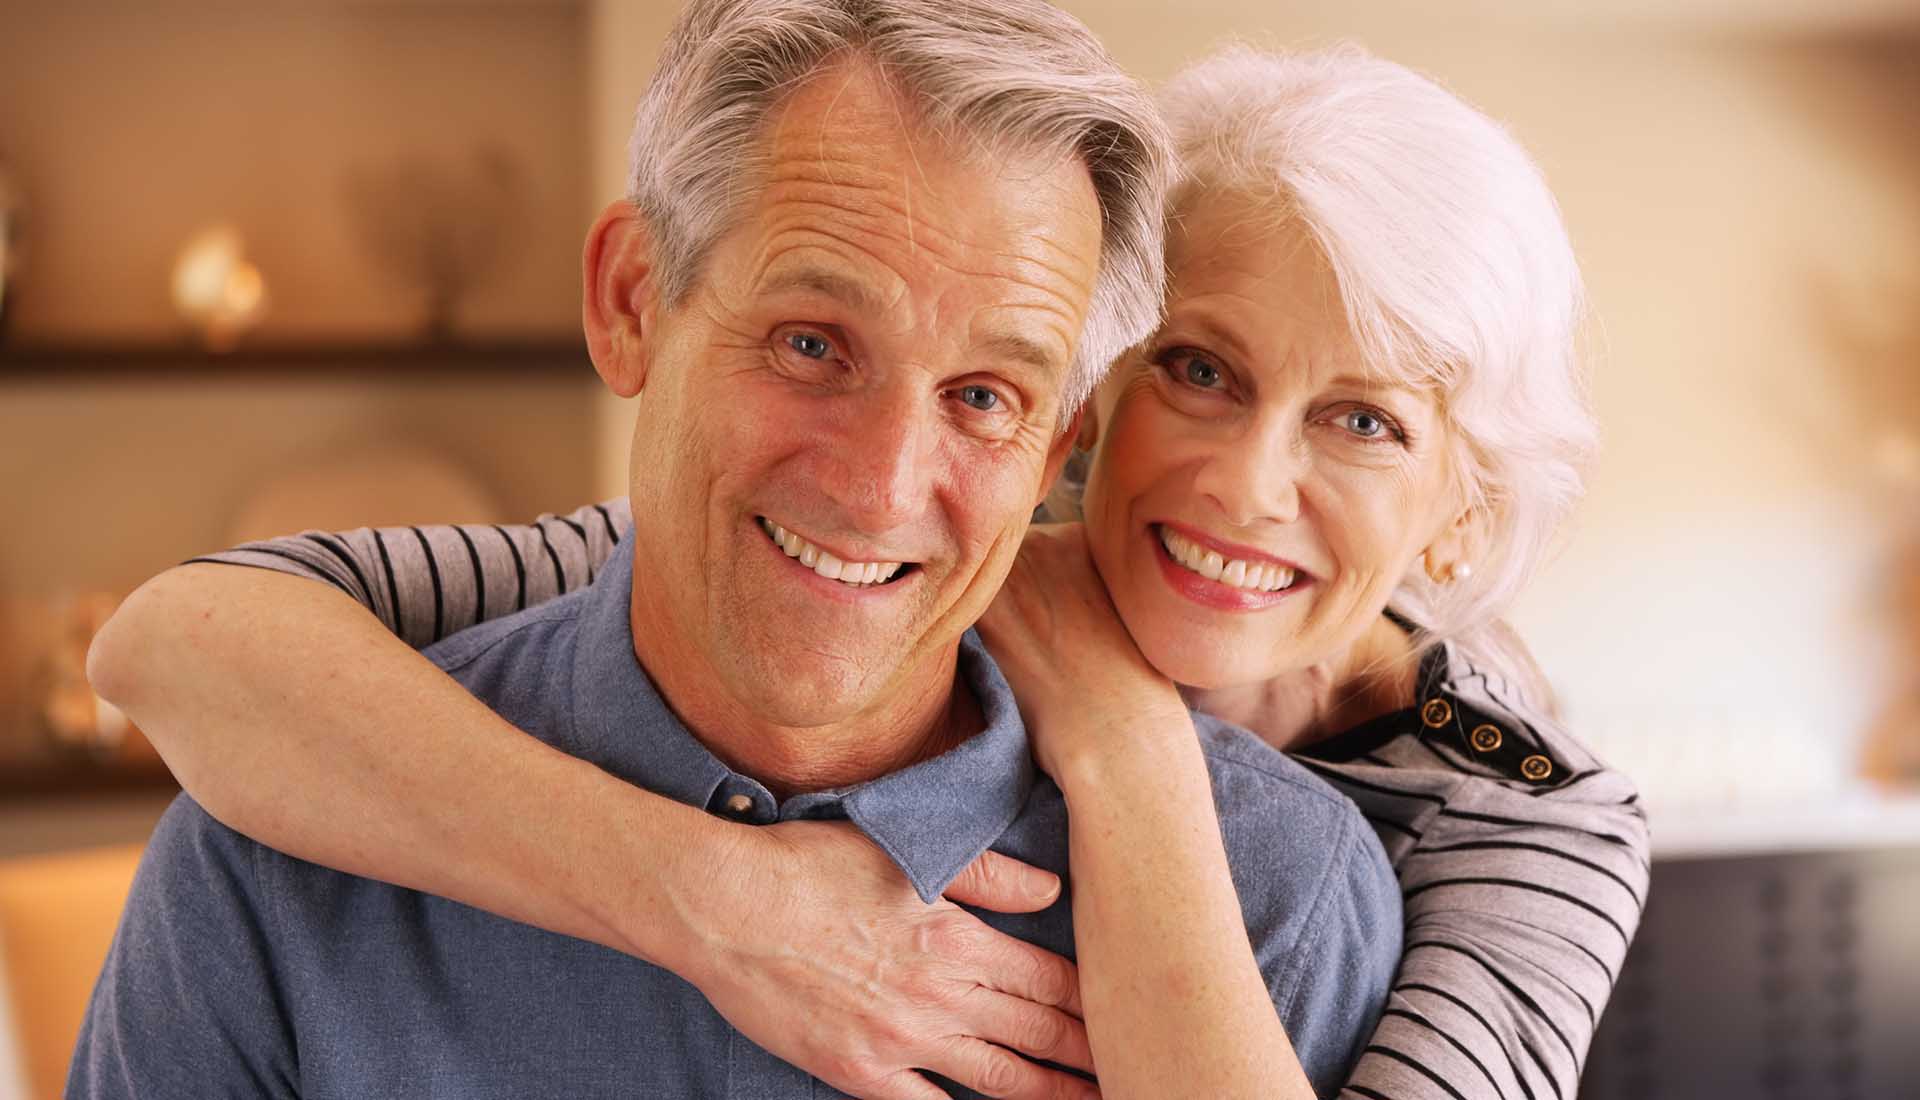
x,y
1373,676
796,760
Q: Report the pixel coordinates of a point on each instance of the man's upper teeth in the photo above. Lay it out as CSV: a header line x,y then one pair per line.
x,y
1257,575
825,564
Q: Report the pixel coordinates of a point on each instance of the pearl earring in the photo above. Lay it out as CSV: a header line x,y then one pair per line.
x,y
1459,571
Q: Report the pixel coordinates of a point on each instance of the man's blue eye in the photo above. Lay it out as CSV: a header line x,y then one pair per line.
x,y
809,344
1199,372
980,397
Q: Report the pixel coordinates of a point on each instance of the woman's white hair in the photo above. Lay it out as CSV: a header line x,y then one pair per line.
x,y
1454,265
1005,76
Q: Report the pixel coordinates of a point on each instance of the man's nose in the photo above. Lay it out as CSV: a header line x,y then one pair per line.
x,y
1256,475
880,470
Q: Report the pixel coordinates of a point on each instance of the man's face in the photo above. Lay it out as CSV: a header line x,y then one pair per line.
x,y
866,375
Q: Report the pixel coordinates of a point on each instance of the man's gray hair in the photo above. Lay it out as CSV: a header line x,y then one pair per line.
x,y
1005,76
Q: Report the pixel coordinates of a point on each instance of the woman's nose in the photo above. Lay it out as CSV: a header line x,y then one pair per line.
x,y
1255,477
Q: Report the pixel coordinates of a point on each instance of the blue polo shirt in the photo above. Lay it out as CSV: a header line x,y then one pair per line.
x,y
238,971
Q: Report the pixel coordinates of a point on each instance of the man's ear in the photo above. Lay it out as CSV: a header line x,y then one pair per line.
x,y
620,299
1063,446
1087,434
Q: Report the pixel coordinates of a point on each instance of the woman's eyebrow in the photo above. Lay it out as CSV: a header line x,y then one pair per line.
x,y
1215,333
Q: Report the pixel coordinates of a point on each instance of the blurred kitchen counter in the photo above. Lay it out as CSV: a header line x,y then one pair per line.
x,y
1855,820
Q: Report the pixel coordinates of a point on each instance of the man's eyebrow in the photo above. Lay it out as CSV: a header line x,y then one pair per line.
x,y
851,293
1378,383
1013,345
861,298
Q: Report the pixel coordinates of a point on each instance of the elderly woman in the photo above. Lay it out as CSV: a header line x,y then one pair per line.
x,y
1306,500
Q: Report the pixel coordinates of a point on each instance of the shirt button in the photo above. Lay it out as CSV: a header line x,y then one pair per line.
x,y
739,805
1437,713
1486,738
1536,767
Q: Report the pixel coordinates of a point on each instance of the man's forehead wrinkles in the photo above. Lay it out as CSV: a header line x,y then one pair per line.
x,y
1063,277
875,202
807,255
798,223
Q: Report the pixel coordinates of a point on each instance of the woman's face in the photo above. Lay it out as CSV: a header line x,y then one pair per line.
x,y
1257,492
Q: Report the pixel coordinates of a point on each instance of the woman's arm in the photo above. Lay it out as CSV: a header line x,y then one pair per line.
x,y
1174,1000
296,717
1522,900
1175,1003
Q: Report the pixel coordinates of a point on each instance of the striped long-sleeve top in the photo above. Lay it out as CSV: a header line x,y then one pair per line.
x,y
1522,858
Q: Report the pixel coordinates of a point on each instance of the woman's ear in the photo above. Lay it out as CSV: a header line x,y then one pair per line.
x,y
1452,554
620,299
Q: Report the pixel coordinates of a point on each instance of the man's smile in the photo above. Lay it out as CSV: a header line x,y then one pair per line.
x,y
823,562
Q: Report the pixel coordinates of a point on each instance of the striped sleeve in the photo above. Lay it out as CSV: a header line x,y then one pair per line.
x,y
1522,895
427,582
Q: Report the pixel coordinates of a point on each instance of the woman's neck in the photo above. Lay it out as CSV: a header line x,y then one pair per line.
x,y
1374,676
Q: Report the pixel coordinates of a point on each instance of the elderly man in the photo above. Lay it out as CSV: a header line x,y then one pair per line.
x,y
878,251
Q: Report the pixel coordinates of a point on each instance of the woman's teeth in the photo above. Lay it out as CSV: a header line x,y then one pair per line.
x,y
1254,576
860,574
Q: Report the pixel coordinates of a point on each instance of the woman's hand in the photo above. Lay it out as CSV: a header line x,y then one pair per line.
x,y
1073,667
813,944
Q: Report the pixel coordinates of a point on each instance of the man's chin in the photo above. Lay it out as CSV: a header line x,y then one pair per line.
x,y
802,691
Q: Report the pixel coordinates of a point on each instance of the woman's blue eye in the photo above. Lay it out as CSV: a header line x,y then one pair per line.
x,y
1365,424
1199,372
809,344
979,397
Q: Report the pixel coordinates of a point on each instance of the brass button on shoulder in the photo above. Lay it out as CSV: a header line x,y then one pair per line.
x,y
1437,713
1536,767
739,805
1486,738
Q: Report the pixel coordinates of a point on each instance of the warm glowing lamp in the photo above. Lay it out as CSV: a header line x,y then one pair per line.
x,y
216,290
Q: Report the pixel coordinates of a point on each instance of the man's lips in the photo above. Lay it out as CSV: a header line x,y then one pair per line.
x,y
843,572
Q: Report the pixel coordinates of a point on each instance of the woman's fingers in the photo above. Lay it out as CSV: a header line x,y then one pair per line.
x,y
1032,1029
1004,885
996,1071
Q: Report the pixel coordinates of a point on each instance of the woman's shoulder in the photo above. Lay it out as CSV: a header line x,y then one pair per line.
x,y
1469,720
1477,748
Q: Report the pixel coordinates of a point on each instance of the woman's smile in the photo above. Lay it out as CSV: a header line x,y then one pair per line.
x,y
1222,575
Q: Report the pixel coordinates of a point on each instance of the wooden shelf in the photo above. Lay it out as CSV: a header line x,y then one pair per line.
x,y
80,362
80,779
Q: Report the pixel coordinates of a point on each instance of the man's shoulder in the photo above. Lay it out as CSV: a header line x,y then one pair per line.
x,y
537,627
1252,777
1290,835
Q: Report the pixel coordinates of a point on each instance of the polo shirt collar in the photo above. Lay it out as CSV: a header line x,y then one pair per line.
x,y
932,819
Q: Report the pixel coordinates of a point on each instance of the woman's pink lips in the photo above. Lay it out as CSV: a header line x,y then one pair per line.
x,y
1228,550
1220,597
